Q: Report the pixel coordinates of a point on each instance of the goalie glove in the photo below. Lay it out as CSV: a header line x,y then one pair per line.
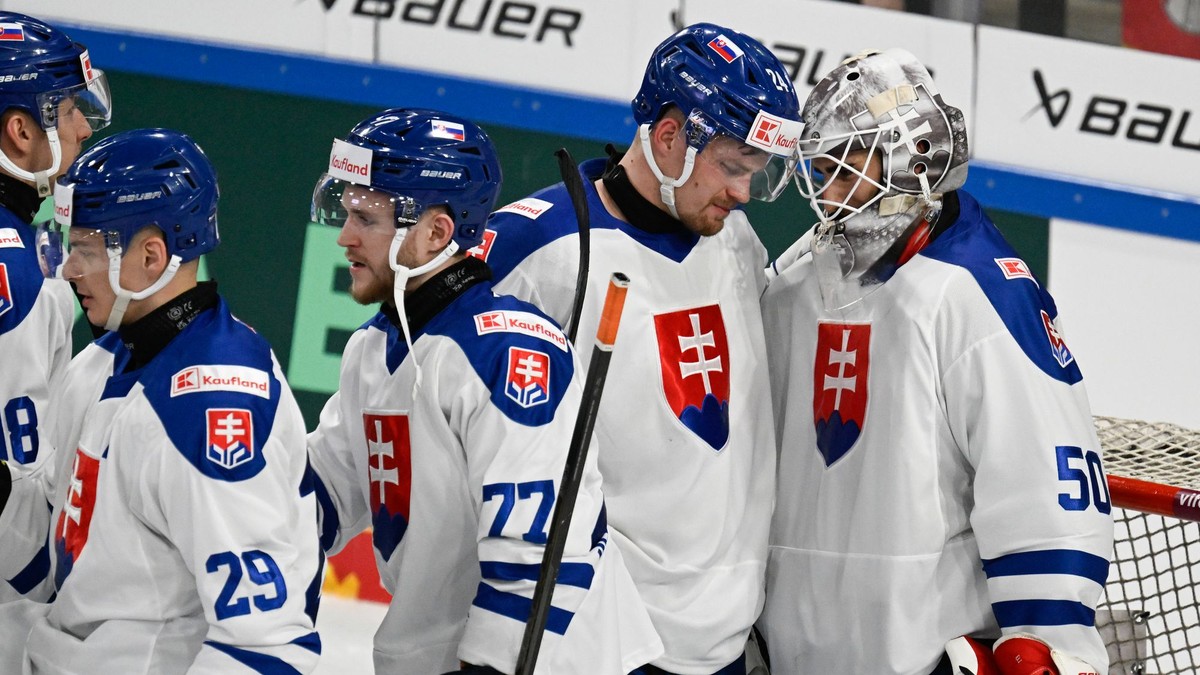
x,y
1025,654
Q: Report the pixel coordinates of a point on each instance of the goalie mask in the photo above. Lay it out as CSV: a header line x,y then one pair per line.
x,y
729,87
49,77
879,149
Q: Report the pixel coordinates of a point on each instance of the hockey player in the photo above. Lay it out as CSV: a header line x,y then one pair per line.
x,y
686,443
51,100
449,432
939,472
184,521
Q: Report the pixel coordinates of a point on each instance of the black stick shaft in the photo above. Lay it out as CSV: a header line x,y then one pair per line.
x,y
581,438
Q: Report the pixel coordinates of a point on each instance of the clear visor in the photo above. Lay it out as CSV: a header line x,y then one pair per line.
x,y
842,176
51,250
91,100
337,202
761,174
88,252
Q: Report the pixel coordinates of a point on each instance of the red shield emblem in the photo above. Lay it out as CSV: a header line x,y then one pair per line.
x,y
71,532
230,437
528,377
389,473
6,301
840,386
483,248
1058,346
693,357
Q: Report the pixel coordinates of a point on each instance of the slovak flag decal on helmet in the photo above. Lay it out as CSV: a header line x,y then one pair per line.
x,y
528,380
693,353
449,130
725,49
840,373
12,32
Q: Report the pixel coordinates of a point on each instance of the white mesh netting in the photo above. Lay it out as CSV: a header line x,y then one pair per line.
x,y
1148,614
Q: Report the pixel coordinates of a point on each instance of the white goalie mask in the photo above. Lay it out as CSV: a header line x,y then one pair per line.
x,y
879,149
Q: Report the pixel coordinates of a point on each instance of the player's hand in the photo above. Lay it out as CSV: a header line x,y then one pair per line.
x,y
1024,654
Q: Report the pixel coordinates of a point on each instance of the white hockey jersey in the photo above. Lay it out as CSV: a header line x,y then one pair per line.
x,y
36,315
939,471
686,442
184,521
459,479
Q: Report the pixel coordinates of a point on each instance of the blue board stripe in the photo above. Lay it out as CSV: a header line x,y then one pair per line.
x,y
996,186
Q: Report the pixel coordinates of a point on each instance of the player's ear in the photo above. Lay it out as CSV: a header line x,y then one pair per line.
x,y
666,132
17,133
149,251
441,231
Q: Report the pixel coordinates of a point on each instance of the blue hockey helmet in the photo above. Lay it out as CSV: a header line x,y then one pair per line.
x,y
41,66
418,159
724,83
138,178
726,75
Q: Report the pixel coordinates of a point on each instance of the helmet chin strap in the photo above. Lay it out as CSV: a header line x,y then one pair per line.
x,y
40,178
124,296
666,186
400,283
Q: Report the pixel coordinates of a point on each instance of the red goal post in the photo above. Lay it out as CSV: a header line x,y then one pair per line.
x,y
1148,613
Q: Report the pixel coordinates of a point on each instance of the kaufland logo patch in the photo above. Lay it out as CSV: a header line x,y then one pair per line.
x,y
350,162
524,323
774,134
237,379
1015,268
85,61
449,130
484,247
64,196
10,238
529,207
725,48
230,435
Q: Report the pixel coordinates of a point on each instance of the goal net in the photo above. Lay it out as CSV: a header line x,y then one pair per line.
x,y
1148,613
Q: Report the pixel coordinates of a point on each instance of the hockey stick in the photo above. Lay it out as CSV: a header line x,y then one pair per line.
x,y
574,185
589,404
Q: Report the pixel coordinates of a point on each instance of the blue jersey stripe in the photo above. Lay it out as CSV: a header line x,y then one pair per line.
x,y
519,608
256,661
576,574
311,642
1043,613
34,573
326,511
1055,561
